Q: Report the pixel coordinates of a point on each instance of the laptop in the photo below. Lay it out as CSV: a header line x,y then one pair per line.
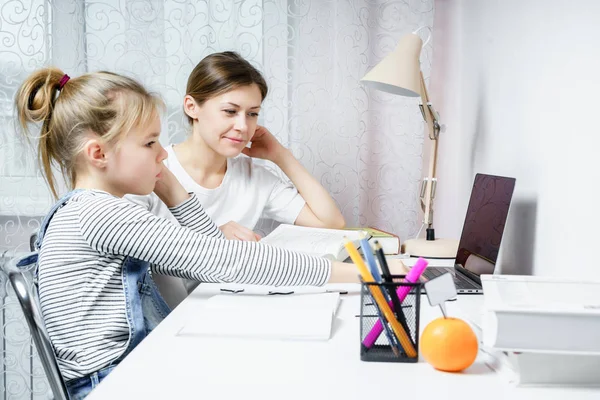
x,y
481,236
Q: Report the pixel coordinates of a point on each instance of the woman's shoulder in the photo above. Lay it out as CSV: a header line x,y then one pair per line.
x,y
243,165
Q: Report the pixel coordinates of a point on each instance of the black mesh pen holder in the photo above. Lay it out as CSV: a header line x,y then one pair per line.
x,y
381,349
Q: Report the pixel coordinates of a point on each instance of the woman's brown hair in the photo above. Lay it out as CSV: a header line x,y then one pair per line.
x,y
101,103
219,73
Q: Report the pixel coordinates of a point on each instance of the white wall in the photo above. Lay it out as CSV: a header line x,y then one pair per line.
x,y
517,83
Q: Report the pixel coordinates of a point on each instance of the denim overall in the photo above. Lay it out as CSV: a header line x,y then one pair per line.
x,y
145,307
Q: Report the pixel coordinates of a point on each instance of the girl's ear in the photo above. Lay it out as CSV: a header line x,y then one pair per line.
x,y
190,107
94,153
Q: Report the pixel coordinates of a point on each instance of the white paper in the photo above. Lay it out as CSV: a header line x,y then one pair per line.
x,y
292,317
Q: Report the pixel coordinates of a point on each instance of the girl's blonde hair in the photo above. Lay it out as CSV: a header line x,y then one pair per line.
x,y
101,103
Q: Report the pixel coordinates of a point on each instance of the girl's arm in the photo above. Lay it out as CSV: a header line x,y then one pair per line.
x,y
320,210
170,193
116,226
157,207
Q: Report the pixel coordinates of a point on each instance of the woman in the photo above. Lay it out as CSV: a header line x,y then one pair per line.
x,y
222,102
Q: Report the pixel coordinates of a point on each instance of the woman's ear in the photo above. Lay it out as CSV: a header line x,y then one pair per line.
x,y
94,153
190,107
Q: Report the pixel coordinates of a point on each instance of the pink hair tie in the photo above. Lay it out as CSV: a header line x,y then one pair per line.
x,y
63,81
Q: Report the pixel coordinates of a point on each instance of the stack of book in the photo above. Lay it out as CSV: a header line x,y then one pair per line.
x,y
549,327
390,243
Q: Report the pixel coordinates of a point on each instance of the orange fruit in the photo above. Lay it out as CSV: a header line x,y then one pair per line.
x,y
449,344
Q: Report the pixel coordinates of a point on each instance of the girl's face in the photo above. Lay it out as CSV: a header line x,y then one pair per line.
x,y
136,163
226,123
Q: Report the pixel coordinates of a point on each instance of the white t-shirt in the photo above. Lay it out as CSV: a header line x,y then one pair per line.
x,y
248,192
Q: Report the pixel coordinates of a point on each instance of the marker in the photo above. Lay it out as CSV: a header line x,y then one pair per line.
x,y
395,303
413,277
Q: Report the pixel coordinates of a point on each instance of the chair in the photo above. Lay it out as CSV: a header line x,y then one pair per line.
x,y
32,240
30,305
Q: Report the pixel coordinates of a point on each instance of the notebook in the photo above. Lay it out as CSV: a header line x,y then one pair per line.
x,y
288,317
319,242
481,236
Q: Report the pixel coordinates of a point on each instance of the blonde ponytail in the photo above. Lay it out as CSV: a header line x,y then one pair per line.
x,y
103,103
34,103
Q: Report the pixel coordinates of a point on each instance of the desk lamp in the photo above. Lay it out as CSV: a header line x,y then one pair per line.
x,y
400,73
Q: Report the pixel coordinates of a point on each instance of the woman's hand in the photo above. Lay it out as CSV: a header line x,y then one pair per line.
x,y
234,231
264,145
169,190
397,267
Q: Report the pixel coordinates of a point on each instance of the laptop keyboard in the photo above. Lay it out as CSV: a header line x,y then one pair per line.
x,y
459,280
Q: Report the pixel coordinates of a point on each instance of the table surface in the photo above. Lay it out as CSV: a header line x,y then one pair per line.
x,y
165,365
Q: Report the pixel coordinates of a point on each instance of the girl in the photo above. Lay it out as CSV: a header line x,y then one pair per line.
x,y
223,99
97,297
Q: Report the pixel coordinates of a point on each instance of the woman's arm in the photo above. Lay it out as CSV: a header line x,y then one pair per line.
x,y
320,209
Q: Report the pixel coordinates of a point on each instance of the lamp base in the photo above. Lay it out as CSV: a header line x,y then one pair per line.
x,y
438,248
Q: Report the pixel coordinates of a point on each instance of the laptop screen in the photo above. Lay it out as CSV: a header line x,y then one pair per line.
x,y
484,224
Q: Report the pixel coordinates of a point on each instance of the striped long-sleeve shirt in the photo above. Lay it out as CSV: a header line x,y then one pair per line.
x,y
81,261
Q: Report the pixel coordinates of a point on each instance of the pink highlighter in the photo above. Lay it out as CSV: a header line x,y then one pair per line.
x,y
413,277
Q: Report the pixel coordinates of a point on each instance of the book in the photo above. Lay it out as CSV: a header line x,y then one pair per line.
x,y
541,314
342,288
388,241
290,317
554,369
319,242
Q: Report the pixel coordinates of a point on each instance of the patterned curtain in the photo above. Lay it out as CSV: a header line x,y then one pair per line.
x,y
364,146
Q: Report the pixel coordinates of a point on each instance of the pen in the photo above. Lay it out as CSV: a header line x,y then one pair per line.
x,y
280,292
368,253
413,277
232,290
387,276
380,300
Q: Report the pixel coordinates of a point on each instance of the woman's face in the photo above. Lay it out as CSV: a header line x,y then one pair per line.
x,y
226,123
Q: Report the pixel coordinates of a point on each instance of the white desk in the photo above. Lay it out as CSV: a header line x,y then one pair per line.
x,y
166,366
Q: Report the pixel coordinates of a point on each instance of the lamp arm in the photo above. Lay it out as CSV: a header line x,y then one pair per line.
x,y
428,187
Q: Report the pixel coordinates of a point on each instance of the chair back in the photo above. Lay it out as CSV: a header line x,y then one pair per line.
x,y
30,305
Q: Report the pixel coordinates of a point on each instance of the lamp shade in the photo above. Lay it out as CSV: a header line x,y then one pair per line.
x,y
400,71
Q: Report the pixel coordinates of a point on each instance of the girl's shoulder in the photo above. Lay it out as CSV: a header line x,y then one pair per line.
x,y
93,195
97,199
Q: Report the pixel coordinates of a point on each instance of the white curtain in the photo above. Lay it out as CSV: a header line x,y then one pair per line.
x,y
364,146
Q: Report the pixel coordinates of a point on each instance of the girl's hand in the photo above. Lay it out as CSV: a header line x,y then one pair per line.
x,y
264,145
169,190
234,231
